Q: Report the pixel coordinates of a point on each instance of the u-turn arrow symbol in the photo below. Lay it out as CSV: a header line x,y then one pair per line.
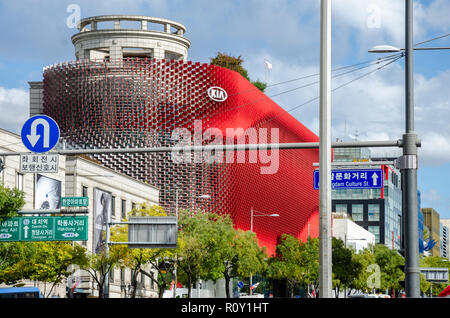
x,y
33,137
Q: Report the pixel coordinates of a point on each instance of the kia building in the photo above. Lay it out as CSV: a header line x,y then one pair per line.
x,y
134,87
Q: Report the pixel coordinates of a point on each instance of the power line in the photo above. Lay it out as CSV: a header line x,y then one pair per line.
x,y
433,39
334,89
377,61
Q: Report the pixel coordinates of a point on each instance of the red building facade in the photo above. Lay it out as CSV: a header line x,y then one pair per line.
x,y
140,102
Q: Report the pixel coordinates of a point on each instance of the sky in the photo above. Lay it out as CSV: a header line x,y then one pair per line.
x,y
367,103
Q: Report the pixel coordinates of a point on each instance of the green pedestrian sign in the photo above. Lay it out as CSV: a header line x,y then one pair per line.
x,y
74,201
44,228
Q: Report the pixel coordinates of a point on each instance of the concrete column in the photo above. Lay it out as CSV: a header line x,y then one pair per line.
x,y
115,52
158,53
36,103
144,25
167,28
94,25
116,25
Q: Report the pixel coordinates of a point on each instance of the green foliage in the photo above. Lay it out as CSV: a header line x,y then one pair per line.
x,y
235,64
161,259
231,63
346,267
260,85
43,261
16,261
11,200
295,261
52,260
389,260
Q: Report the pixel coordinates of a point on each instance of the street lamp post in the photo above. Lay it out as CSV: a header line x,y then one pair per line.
x,y
408,162
252,214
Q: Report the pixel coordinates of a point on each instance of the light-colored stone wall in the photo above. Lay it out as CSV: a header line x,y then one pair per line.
x,y
74,173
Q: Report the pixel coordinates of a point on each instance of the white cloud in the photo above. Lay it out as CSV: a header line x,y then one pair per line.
x,y
14,107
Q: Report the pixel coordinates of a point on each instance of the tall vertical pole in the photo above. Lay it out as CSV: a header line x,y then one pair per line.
x,y
409,171
325,152
108,239
251,229
175,265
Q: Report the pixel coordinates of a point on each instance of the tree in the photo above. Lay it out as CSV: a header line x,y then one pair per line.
x,y
16,261
389,260
242,257
296,262
160,259
235,64
434,261
11,201
346,268
367,275
52,260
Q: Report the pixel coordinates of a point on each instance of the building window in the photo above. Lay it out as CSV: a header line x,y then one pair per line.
x,y
84,191
341,208
113,206
124,209
357,212
111,275
374,212
19,181
375,230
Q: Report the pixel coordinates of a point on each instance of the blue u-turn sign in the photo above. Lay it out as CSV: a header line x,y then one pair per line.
x,y
353,179
40,133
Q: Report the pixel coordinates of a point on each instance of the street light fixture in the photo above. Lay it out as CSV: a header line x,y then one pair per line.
x,y
392,49
252,214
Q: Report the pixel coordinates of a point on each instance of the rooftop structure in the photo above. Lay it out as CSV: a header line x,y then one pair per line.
x,y
121,36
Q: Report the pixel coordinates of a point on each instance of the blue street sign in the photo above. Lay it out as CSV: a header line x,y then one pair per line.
x,y
40,133
353,179
240,284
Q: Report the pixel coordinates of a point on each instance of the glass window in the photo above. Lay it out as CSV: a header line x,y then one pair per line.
x,y
375,230
357,212
113,206
124,209
341,208
84,191
19,181
374,212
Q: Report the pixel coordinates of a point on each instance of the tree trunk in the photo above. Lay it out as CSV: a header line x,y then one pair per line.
x,y
189,285
227,283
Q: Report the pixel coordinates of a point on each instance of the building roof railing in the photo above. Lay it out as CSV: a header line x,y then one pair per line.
x,y
168,24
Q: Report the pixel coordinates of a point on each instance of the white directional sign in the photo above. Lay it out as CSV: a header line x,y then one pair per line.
x,y
40,133
39,163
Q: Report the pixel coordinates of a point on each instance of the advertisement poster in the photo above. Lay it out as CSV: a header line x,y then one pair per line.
x,y
47,193
102,210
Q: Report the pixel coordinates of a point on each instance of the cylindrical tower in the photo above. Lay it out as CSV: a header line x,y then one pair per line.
x,y
120,36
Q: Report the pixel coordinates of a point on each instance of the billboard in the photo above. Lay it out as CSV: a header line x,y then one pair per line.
x,y
47,193
102,211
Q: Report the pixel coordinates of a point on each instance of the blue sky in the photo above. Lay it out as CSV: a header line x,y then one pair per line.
x,y
35,34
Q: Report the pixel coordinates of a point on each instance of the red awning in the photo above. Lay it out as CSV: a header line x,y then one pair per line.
x,y
445,292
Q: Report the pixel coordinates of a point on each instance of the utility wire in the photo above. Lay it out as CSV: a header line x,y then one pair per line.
x,y
334,89
394,57
433,39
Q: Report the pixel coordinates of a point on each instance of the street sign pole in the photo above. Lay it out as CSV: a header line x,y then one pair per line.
x,y
325,152
409,171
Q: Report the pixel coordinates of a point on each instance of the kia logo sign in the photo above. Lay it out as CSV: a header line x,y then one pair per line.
x,y
217,94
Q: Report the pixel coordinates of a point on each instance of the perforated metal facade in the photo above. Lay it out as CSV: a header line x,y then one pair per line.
x,y
139,102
